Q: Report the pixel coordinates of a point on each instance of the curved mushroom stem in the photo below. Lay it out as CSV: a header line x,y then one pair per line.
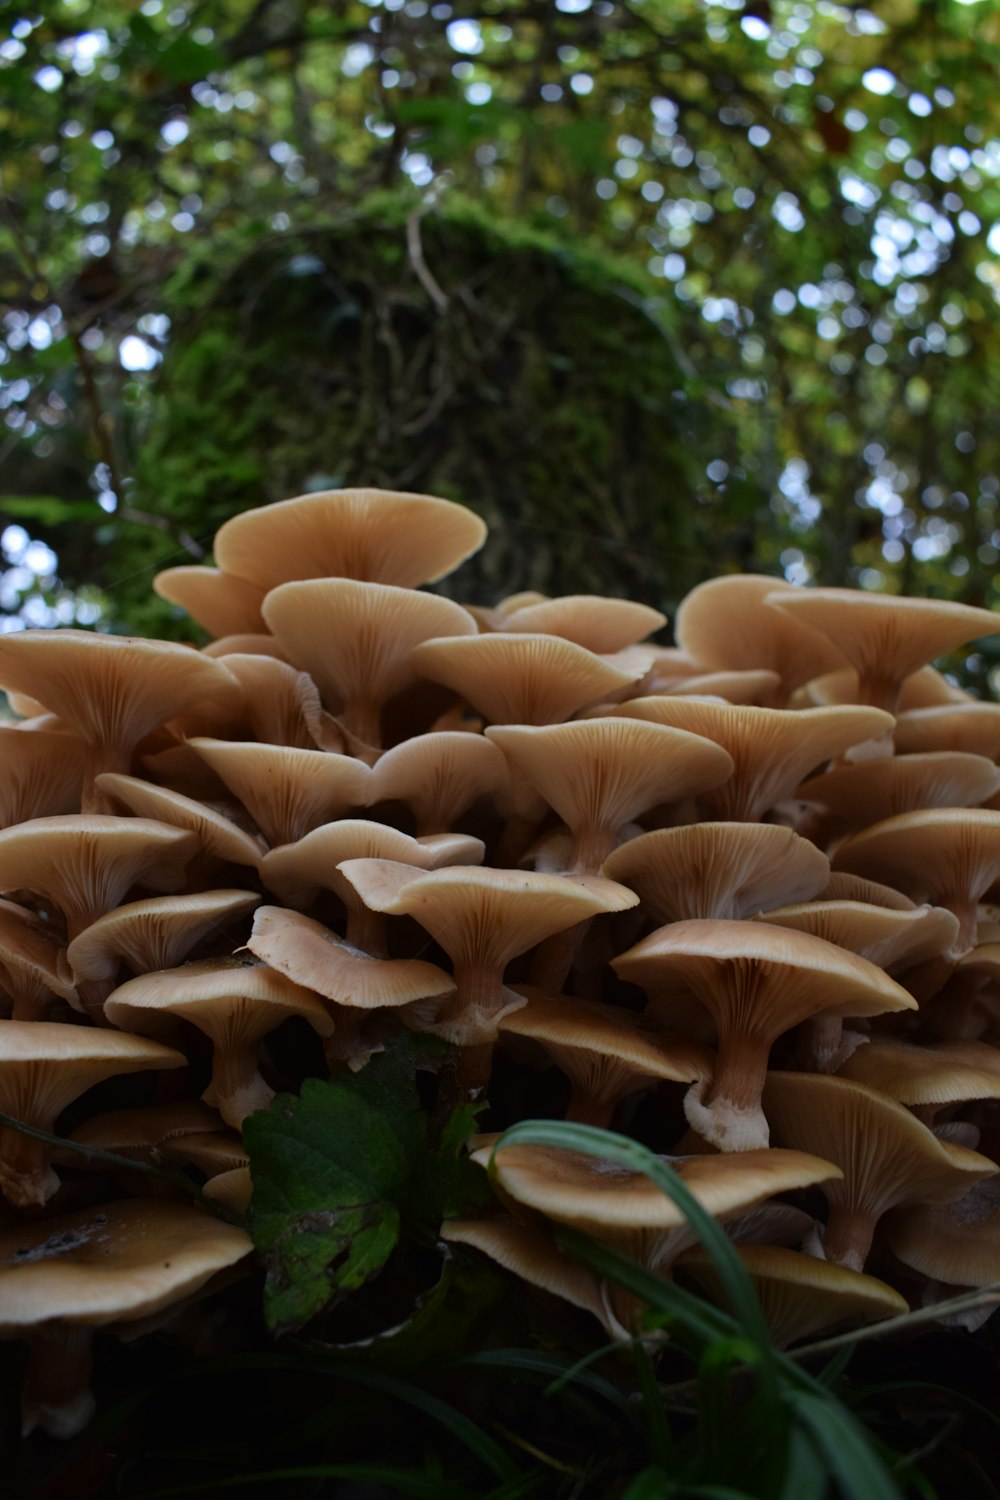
x,y
366,930
93,993
55,1395
237,1088
361,721
727,1111
848,1236
553,958
100,758
26,1177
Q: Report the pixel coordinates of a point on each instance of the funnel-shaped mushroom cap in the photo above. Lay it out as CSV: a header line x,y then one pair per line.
x,y
589,620
530,1251
886,1155
970,727
612,1202
112,689
311,955
282,704
295,871
45,1065
885,637
874,790
234,1001
606,1052
957,1242
84,865
287,791
943,1073
217,835
887,938
154,934
718,869
374,627
221,603
948,856
772,748
521,679
439,776
726,623
599,774
800,1295
41,773
113,1263
33,965
382,536
757,982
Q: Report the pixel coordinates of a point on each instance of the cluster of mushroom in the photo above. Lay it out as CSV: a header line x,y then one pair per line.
x,y
670,874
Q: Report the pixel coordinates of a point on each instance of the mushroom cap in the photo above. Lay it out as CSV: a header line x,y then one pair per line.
x,y
32,955
283,704
440,775
287,791
221,603
141,1131
594,1194
375,627
799,1294
885,937
718,869
257,643
956,1242
484,915
113,689
89,1052
843,887
772,748
942,1073
85,864
210,993
295,871
521,679
111,1264
726,623
311,955
877,789
382,536
218,835
41,773
530,1251
970,727
593,621
605,772
885,637
732,687
758,978
154,934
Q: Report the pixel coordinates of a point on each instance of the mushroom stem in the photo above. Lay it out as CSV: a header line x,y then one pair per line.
x,y
93,993
728,1113
55,1395
847,1238
553,958
26,1178
237,1088
362,719
591,846
99,758
366,930
585,1108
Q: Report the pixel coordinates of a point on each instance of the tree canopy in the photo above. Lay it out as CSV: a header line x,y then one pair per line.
x,y
800,200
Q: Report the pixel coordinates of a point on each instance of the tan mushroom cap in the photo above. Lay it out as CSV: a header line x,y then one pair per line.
x,y
381,536
970,727
593,621
757,982
957,1242
521,679
113,1263
282,704
234,1001
886,1155
33,964
530,1252
141,1132
798,1294
844,887
941,1073
606,1052
948,856
154,934
221,603
287,791
482,918
439,776
885,637
84,865
375,627
890,939
873,790
599,774
772,749
44,1066
256,644
925,688
218,836
113,689
212,1152
233,1189
718,869
726,623
41,773
758,687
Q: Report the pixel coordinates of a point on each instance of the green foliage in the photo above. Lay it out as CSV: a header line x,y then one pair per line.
x,y
337,1170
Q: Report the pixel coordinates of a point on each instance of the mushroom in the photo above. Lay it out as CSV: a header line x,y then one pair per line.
x,y
283,704
956,1243
288,792
41,773
222,841
597,623
220,602
867,793
439,776
153,934
33,966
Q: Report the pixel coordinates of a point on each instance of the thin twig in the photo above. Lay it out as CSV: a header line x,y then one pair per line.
x,y
415,246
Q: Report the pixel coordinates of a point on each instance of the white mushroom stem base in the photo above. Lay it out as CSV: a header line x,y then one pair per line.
x,y
469,1019
726,1110
848,1236
26,1178
55,1395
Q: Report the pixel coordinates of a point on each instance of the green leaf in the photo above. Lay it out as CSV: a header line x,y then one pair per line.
x,y
187,61
48,510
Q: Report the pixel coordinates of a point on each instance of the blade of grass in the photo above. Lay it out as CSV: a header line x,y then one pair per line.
x,y
852,1461
659,1439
